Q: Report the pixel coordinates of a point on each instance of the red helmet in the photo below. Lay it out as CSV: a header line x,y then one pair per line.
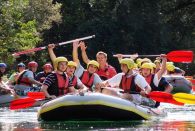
x,y
32,64
47,66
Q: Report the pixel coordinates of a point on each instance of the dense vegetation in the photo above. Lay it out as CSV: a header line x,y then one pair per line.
x,y
120,26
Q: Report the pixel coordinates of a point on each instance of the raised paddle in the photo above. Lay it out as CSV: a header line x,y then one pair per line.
x,y
44,47
183,56
184,98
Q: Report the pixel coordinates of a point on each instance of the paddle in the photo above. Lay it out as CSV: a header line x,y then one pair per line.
x,y
44,47
163,97
36,95
154,95
184,98
183,56
26,102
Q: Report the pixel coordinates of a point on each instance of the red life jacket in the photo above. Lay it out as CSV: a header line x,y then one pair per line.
x,y
73,81
150,81
23,80
128,84
62,84
87,79
106,73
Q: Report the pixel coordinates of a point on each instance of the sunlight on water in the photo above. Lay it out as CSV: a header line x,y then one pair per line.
x,y
177,119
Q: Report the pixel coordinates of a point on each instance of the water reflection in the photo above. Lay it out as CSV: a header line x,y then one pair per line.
x,y
26,120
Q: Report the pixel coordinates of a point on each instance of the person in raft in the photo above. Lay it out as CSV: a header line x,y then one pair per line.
x,y
57,83
88,77
47,69
105,71
70,71
13,78
129,81
156,80
26,79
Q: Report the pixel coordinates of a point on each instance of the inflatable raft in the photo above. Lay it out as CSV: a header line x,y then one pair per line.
x,y
179,83
94,106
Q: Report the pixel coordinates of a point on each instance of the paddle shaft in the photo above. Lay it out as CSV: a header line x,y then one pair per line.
x,y
58,44
125,55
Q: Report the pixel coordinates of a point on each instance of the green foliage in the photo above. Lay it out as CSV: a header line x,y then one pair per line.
x,y
22,23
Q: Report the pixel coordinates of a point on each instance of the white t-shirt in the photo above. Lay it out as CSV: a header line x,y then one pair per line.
x,y
116,80
156,80
79,71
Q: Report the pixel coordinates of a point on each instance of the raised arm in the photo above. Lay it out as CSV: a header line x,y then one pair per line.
x,y
83,52
163,67
75,52
51,52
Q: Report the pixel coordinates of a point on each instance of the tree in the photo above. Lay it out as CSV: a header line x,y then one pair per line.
x,y
22,23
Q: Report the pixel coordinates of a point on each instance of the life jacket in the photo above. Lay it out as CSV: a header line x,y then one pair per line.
x,y
128,84
87,79
23,80
73,81
150,80
62,81
107,73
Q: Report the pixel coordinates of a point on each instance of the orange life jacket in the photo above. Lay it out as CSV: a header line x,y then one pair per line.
x,y
62,84
128,84
150,81
73,81
87,79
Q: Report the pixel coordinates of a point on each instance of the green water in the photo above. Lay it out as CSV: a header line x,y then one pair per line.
x,y
179,118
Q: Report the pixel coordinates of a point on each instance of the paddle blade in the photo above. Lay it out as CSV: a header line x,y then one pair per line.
x,y
185,98
180,56
36,95
22,103
163,97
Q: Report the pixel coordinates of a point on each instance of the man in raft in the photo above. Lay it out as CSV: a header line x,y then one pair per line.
x,y
129,81
88,77
105,71
57,83
47,69
14,77
26,80
70,71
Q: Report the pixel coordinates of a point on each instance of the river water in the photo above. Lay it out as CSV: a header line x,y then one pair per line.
x,y
177,119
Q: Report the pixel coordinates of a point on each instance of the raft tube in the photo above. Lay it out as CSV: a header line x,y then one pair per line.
x,y
94,106
179,83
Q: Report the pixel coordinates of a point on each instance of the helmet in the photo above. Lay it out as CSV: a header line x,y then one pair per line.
x,y
127,61
147,66
72,63
153,65
3,65
93,62
32,64
135,66
156,61
138,60
47,66
145,60
170,67
59,59
21,65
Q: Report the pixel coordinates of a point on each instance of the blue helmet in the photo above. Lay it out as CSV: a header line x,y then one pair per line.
x,y
21,65
3,65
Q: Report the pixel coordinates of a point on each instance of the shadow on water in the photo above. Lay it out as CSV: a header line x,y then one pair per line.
x,y
89,125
